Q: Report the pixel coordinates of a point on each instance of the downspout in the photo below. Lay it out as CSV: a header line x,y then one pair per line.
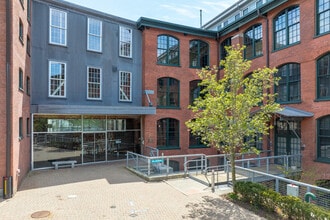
x,y
267,65
8,86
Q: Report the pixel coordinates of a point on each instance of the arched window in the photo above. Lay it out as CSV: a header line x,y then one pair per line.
x,y
224,44
195,90
253,42
168,133
168,93
168,50
198,54
323,139
323,77
288,88
287,27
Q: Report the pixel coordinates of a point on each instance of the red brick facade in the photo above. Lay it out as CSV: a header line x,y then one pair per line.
x,y
305,53
20,149
153,71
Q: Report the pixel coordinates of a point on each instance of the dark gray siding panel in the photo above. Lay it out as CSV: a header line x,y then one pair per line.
x,y
77,58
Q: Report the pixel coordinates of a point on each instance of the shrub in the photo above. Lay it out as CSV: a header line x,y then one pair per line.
x,y
289,206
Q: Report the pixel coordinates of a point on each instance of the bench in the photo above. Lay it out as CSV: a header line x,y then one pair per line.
x,y
66,162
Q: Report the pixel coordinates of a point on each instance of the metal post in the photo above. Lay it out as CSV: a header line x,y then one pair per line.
x,y
277,185
212,182
149,166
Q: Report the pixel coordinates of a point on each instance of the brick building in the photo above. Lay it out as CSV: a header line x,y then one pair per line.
x,y
146,78
292,36
15,17
172,56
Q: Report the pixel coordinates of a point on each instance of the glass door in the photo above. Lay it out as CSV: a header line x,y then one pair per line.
x,y
94,148
287,141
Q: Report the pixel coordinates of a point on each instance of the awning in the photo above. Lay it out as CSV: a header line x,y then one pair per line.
x,y
294,113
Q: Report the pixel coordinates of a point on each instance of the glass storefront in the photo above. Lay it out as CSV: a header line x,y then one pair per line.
x,y
86,139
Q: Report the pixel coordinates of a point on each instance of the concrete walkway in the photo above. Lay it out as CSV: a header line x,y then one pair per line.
x,y
110,191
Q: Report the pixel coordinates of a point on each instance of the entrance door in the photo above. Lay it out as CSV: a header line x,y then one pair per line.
x,y
287,141
94,148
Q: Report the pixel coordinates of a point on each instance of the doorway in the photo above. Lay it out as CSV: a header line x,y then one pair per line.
x,y
94,147
287,141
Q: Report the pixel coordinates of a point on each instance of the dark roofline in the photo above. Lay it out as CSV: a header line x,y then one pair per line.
x,y
144,22
81,9
251,16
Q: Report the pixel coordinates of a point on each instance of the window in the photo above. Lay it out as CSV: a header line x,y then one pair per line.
x,y
168,50
57,27
224,44
323,139
323,16
57,79
28,130
94,37
287,27
253,42
125,42
20,128
125,86
28,45
195,90
288,88
22,3
168,93
94,83
323,77
195,141
20,79
28,11
259,3
199,54
254,142
21,31
28,85
168,133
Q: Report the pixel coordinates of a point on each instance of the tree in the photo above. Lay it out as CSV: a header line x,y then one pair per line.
x,y
234,107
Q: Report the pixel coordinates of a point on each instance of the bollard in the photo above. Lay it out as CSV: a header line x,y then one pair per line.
x,y
7,187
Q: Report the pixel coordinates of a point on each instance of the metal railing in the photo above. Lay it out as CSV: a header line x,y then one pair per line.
x,y
163,165
151,151
284,185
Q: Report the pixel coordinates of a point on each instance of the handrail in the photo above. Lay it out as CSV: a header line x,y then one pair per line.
x,y
203,159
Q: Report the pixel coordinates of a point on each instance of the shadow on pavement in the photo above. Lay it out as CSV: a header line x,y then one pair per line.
x,y
217,208
113,172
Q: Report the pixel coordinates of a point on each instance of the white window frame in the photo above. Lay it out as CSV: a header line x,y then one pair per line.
x,y
122,85
93,83
89,34
63,83
124,40
62,27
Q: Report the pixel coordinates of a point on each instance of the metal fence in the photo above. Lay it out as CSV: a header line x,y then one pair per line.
x,y
317,195
165,165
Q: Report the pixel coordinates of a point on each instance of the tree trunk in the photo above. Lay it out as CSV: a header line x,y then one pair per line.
x,y
233,170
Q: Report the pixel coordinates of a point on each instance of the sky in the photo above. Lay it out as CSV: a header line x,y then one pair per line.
x,y
184,12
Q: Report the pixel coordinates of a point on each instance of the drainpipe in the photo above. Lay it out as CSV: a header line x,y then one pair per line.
x,y
267,64
8,86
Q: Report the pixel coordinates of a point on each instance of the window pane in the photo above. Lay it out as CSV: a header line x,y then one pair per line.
x,y
167,50
57,27
125,86
56,79
288,88
125,42
168,133
94,83
94,35
168,92
323,80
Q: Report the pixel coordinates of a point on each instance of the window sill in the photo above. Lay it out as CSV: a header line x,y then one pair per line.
x,y
289,102
322,99
172,65
168,148
322,160
286,46
198,147
168,107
